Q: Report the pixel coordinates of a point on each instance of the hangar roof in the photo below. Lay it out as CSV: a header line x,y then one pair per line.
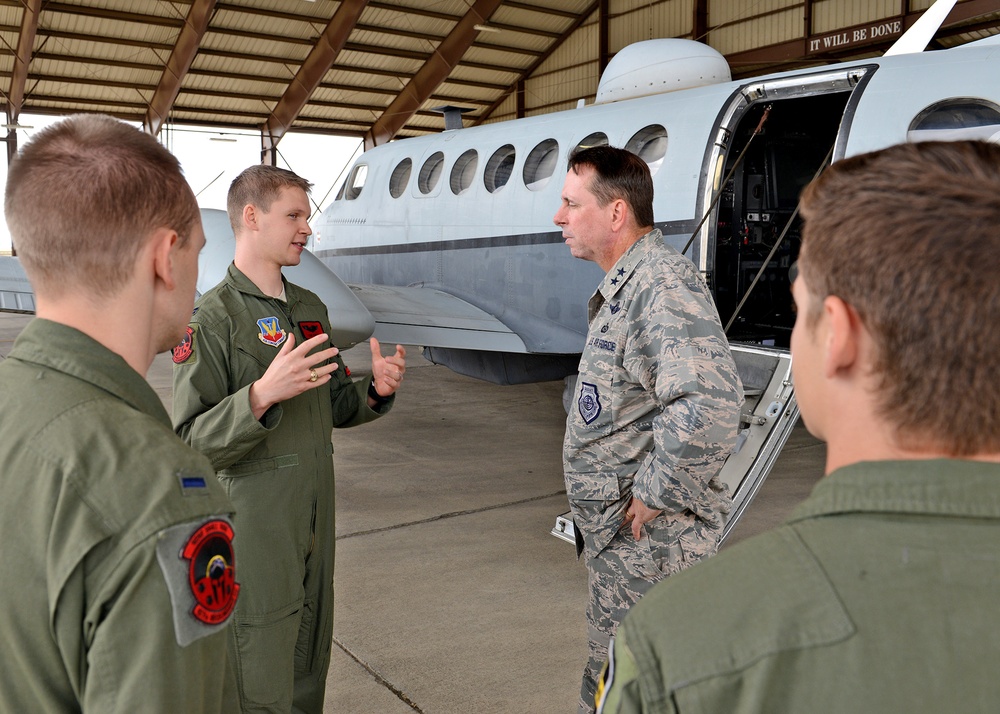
x,y
379,68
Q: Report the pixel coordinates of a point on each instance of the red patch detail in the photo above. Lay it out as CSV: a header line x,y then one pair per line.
x,y
182,351
347,370
212,572
311,329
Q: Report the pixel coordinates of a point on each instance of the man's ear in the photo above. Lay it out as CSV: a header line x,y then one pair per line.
x,y
619,213
250,217
164,245
843,334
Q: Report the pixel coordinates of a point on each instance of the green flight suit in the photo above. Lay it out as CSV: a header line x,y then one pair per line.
x,y
107,522
278,471
878,595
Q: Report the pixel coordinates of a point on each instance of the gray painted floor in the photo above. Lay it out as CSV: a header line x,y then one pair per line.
x,y
451,595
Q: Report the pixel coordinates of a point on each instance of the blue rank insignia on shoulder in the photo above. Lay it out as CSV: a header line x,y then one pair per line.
x,y
589,402
271,332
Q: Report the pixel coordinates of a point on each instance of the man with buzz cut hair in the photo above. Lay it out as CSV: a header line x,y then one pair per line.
x,y
258,388
879,593
117,575
657,399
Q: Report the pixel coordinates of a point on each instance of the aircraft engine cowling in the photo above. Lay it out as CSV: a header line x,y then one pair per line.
x,y
350,321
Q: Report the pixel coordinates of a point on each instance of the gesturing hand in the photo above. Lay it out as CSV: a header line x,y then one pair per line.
x,y
292,372
387,372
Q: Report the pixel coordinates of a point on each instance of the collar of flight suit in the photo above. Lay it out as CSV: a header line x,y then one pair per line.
x,y
939,487
65,349
241,282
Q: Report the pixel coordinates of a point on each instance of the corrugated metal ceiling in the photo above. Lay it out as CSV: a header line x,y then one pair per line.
x,y
266,64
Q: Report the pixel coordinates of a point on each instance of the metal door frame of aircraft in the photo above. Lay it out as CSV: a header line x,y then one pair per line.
x,y
853,79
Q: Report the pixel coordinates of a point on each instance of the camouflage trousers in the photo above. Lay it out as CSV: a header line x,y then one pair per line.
x,y
624,571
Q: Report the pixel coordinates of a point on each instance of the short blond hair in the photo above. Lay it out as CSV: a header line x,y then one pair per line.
x,y
259,186
83,196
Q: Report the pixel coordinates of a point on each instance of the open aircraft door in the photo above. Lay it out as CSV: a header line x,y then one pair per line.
x,y
768,416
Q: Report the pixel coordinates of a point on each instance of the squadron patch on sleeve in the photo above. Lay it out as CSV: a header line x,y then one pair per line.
x,y
271,332
311,328
182,352
199,568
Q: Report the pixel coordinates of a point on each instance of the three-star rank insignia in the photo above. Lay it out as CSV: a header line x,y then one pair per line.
x,y
271,332
212,571
184,350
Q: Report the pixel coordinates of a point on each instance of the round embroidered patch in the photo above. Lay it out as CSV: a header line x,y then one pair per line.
x,y
212,571
182,351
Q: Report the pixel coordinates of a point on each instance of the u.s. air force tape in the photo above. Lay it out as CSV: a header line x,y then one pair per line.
x,y
200,571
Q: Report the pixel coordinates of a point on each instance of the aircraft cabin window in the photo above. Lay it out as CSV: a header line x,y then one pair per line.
x,y
955,119
650,144
356,182
464,171
430,172
541,164
598,138
499,168
400,177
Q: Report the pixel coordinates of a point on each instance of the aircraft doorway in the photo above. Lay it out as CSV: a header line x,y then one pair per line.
x,y
758,202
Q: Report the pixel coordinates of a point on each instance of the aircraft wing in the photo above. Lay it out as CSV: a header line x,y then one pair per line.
x,y
16,294
425,316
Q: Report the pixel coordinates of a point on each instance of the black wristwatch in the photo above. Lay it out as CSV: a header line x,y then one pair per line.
x,y
379,399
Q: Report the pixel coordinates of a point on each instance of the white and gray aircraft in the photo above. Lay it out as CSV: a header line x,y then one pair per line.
x,y
447,241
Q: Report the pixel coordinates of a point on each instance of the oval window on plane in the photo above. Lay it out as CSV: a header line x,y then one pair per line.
x,y
955,119
430,172
650,143
400,177
356,182
598,138
463,172
541,164
499,168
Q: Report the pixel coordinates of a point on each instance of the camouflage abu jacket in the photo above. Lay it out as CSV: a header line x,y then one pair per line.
x,y
657,398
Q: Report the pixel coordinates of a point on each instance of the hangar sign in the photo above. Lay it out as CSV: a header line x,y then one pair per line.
x,y
857,36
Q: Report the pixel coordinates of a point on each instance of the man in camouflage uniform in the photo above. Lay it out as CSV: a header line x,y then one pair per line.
x,y
657,399
879,592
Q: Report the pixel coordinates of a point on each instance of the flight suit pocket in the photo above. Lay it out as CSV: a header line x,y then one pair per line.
x,y
260,642
256,466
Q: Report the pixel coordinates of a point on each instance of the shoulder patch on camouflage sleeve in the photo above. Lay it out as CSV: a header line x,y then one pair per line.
x,y
199,568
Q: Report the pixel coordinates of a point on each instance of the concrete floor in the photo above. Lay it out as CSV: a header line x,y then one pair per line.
x,y
451,595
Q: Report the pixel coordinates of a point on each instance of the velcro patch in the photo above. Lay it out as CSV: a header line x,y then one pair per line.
x,y
199,568
182,352
311,328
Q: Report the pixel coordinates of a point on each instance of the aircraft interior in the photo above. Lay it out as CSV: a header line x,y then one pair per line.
x,y
758,209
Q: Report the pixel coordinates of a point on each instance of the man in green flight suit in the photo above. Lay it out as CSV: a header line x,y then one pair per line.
x,y
879,593
117,574
261,405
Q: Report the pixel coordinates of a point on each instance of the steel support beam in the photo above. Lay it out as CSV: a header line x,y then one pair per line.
x,y
195,25
434,71
603,40
700,26
19,75
309,77
528,73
